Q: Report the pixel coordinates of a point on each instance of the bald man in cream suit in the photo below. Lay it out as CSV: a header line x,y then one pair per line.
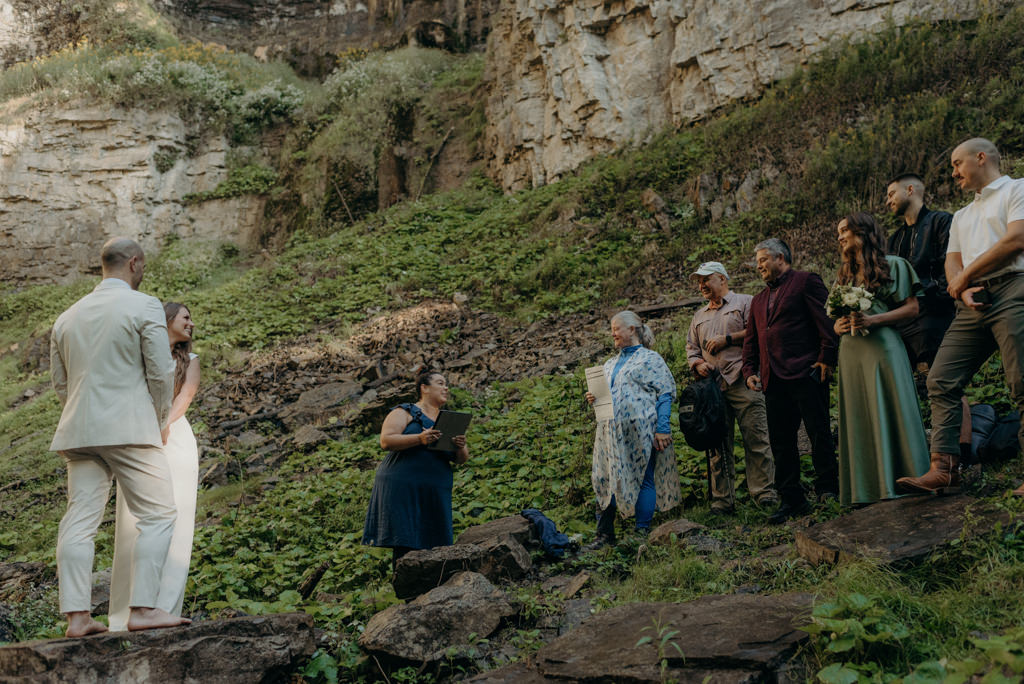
x,y
113,372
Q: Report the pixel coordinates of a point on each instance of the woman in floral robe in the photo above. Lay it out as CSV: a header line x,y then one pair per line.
x,y
634,468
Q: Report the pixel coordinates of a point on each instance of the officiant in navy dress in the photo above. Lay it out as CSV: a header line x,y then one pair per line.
x,y
411,502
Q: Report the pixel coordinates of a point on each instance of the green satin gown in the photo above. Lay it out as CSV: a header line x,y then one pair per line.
x,y
881,435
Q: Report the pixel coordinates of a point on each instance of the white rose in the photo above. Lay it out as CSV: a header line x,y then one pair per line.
x,y
865,304
850,299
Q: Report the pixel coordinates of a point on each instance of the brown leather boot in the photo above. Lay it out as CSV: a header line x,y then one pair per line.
x,y
941,475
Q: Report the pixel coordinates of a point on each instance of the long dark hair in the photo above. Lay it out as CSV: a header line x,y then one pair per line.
x,y
180,351
876,268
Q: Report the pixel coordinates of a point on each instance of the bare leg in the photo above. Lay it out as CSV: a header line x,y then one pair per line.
x,y
153,618
80,623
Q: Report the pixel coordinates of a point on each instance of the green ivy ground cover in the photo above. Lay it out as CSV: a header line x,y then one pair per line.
x,y
919,88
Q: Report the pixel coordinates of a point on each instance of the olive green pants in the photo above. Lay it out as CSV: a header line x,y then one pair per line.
x,y
971,339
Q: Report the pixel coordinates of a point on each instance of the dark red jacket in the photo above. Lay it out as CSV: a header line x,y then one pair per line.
x,y
797,333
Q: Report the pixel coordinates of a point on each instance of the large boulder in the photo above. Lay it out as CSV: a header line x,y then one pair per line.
x,y
904,529
420,571
730,638
243,650
424,629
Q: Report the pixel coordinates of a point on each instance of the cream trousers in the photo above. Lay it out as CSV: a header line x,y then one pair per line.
x,y
145,479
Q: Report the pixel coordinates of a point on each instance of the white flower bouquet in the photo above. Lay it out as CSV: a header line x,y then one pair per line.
x,y
844,300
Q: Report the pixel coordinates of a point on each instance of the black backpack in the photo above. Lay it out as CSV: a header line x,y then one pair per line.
x,y
993,438
702,413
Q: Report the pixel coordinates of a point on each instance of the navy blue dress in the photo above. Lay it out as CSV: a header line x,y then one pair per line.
x,y
411,501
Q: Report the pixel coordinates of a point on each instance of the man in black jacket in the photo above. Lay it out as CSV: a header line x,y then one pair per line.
x,y
922,242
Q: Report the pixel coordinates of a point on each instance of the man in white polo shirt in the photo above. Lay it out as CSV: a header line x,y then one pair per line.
x,y
985,269
715,342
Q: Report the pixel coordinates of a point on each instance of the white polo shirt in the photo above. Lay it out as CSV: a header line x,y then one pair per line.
x,y
982,223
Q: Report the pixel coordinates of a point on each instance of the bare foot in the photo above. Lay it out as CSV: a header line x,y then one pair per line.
x,y
153,618
80,624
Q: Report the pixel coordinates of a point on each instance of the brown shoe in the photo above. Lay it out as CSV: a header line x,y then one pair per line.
x,y
941,476
1019,491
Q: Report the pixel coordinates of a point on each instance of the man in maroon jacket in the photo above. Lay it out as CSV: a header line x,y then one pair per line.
x,y
789,352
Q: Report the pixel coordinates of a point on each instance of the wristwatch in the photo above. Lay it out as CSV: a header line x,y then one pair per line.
x,y
728,340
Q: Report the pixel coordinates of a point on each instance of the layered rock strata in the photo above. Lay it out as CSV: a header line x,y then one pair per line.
x,y
310,34
570,79
72,177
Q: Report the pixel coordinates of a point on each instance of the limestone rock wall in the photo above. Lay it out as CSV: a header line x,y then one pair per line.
x,y
71,177
570,79
30,28
311,33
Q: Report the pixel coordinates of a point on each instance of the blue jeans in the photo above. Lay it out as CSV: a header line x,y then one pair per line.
x,y
646,501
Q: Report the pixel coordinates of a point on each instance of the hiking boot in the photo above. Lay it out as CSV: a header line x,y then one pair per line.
x,y
600,541
768,501
942,476
1019,491
787,511
722,508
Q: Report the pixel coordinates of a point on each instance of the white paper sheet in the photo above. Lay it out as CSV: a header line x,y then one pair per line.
x,y
597,385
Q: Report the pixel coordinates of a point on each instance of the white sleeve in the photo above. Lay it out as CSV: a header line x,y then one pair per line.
x,y
1015,202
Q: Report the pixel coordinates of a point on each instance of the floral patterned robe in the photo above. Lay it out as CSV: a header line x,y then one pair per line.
x,y
622,446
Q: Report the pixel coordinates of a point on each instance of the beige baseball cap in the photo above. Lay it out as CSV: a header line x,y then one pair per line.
x,y
709,267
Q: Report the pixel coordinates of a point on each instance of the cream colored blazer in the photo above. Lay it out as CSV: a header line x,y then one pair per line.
x,y
110,360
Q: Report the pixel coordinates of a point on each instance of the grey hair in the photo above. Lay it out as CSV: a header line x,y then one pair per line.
x,y
643,331
775,247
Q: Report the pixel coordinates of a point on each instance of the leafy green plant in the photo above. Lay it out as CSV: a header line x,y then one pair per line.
x,y
662,638
858,628
999,658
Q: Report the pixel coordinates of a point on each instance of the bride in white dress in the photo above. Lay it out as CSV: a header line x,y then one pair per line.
x,y
183,458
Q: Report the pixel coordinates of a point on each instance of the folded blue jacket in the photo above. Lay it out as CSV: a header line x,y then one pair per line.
x,y
554,542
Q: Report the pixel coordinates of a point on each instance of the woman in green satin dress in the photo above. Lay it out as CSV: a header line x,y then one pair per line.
x,y
881,436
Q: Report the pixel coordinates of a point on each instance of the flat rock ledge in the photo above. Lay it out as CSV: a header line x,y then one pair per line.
x,y
516,526
423,630
243,650
899,530
728,638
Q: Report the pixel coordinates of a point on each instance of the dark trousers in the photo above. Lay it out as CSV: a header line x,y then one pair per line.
x,y
787,402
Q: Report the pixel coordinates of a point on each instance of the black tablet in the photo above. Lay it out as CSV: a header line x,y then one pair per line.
x,y
451,424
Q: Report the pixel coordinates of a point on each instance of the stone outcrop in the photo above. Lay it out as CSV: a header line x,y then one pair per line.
x,y
498,559
570,79
30,28
423,630
73,176
901,530
731,638
243,650
310,34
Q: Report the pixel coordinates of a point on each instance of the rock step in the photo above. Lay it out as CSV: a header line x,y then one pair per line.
x,y
898,530
236,651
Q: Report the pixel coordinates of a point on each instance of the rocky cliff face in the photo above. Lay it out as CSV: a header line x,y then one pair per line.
x,y
29,28
311,33
570,79
72,177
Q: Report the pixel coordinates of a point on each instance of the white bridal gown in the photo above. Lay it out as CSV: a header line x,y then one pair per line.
x,y
183,461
